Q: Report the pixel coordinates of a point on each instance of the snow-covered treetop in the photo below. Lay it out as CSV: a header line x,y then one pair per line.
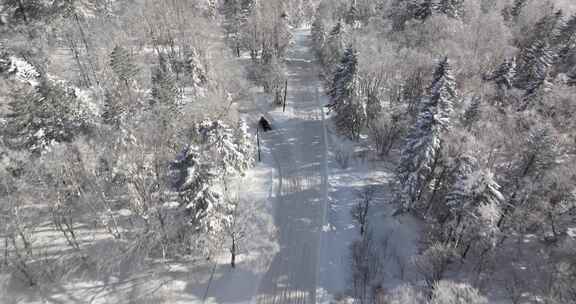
x,y
19,69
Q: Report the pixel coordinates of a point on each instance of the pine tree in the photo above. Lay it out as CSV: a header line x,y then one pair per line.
x,y
221,142
474,203
513,12
504,75
198,172
540,152
342,86
115,109
164,87
400,12
194,68
334,47
352,16
472,113
535,63
236,14
534,72
318,32
443,90
21,70
43,115
546,30
565,41
26,11
450,8
538,155
421,153
194,180
345,96
122,65
422,10
244,147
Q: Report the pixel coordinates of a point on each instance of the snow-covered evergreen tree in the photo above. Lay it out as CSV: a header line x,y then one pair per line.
x,y
534,72
195,68
244,146
475,204
122,65
318,32
26,11
18,68
115,108
225,146
516,8
422,10
504,75
346,99
547,28
473,112
164,87
421,154
334,47
565,41
352,17
199,172
195,180
539,154
43,115
343,83
450,8
534,61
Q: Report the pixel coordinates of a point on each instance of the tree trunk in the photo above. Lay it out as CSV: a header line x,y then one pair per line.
x,y
233,252
88,51
23,10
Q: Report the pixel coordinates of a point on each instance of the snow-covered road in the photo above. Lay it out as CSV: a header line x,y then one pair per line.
x,y
298,150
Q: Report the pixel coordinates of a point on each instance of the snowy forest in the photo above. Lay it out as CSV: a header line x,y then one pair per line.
x,y
288,151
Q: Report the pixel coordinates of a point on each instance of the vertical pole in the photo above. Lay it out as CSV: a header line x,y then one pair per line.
x,y
258,142
285,95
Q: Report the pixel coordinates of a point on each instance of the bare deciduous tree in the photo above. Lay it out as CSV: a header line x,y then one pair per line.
x,y
360,211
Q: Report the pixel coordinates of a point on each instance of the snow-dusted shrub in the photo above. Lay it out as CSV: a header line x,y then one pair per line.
x,y
343,153
385,132
448,292
433,263
404,294
366,267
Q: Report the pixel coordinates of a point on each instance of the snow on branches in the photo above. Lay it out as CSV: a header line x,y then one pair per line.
x,y
199,173
422,151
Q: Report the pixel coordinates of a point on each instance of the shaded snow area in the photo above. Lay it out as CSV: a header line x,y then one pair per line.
x,y
394,239
174,282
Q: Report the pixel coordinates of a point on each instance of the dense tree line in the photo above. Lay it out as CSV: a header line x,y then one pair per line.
x,y
473,101
119,115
